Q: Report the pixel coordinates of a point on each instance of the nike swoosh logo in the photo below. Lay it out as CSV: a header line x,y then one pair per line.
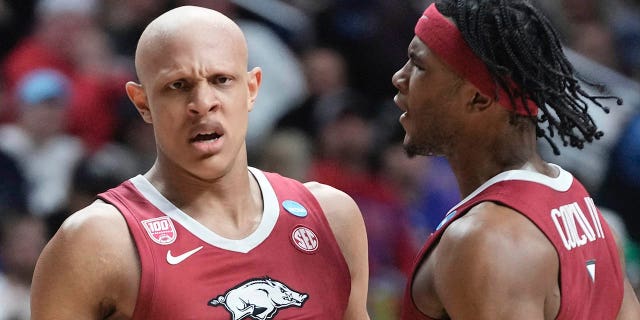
x,y
177,259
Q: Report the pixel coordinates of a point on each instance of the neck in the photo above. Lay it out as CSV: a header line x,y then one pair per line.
x,y
510,147
230,204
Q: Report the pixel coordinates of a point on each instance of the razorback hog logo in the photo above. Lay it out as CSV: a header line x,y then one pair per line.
x,y
259,299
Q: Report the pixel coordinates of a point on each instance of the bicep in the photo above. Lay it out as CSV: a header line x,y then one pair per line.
x,y
630,308
494,271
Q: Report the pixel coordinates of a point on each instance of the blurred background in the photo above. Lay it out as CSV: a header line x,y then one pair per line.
x,y
324,113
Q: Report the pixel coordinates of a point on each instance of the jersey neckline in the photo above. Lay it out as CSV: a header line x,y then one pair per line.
x,y
560,183
267,223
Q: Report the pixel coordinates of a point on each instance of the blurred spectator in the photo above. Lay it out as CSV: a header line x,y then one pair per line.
x,y
630,248
94,174
135,135
287,152
372,34
590,33
22,238
292,23
626,29
606,31
426,186
344,160
16,19
44,153
589,164
621,187
329,93
124,21
66,38
12,185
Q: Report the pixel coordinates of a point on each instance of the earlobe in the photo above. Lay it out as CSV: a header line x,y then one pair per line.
x,y
139,99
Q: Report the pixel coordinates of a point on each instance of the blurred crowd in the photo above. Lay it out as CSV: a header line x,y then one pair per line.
x,y
325,112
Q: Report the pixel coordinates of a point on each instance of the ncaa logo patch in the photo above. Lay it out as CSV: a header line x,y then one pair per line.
x,y
160,230
294,208
446,219
304,239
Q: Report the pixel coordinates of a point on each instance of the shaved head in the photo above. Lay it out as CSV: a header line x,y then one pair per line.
x,y
179,27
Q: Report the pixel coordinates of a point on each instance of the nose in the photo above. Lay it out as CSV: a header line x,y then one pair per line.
x,y
399,78
204,98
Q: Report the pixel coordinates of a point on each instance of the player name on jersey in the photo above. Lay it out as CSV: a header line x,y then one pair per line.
x,y
574,227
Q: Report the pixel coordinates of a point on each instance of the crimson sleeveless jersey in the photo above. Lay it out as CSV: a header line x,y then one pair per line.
x,y
591,277
291,267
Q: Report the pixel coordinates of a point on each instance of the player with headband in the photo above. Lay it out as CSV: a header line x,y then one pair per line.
x,y
527,241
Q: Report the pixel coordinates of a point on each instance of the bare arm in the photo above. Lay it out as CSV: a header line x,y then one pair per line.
x,y
630,308
86,270
348,227
494,264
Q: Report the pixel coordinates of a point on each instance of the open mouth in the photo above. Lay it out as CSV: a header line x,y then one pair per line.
x,y
203,137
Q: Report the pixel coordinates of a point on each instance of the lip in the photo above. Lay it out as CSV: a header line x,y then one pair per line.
x,y
399,101
207,147
206,128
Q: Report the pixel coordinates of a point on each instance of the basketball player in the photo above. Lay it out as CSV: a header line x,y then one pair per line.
x,y
201,235
527,241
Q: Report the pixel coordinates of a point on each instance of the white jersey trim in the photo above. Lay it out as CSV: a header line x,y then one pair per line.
x,y
561,183
269,215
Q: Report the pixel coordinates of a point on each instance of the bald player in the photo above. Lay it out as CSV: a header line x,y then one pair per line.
x,y
201,235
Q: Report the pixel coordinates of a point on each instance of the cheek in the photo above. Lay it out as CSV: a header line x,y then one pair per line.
x,y
419,90
167,125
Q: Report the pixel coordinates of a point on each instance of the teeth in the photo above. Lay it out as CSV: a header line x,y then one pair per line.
x,y
206,137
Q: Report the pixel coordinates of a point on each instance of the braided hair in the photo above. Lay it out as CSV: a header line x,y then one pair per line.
x,y
517,43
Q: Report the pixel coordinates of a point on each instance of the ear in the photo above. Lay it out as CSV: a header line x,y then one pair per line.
x,y
253,82
139,99
478,101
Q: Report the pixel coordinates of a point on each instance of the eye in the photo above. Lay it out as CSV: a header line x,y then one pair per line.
x,y
414,64
222,80
413,60
178,85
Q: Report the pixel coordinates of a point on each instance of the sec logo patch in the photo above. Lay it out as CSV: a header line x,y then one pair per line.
x,y
304,239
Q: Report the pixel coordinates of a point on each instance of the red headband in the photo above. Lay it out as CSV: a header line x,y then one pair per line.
x,y
445,40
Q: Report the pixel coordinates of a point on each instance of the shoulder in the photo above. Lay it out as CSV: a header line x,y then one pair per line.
x,y
490,230
493,261
339,207
98,234
98,220
90,261
95,236
343,215
494,253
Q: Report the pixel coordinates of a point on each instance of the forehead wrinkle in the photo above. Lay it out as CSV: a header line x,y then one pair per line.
x,y
185,23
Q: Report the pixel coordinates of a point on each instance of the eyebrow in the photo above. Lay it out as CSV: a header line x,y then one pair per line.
x,y
414,51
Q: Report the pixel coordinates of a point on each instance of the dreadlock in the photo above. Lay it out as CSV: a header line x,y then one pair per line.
x,y
517,43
